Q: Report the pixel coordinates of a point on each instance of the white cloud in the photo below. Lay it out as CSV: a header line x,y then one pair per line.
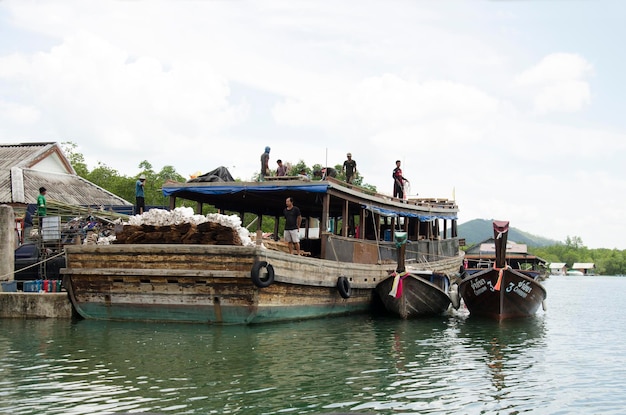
x,y
558,83
387,101
440,86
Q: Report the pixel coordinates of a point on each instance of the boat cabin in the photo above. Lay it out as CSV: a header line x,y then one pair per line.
x,y
341,222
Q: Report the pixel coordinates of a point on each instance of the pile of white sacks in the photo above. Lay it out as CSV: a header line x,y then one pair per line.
x,y
180,215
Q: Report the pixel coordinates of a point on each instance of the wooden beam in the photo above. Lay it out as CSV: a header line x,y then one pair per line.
x,y
362,224
344,221
324,224
259,230
276,223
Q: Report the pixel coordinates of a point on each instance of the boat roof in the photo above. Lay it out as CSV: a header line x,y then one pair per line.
x,y
268,198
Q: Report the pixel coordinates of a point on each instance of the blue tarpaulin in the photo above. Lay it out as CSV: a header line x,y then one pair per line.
x,y
423,217
230,190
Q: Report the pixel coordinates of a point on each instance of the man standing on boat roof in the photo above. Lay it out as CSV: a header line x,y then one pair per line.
x,y
293,218
398,181
140,201
265,159
349,168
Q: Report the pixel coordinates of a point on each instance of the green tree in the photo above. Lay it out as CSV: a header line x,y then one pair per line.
x,y
124,186
606,261
110,179
77,160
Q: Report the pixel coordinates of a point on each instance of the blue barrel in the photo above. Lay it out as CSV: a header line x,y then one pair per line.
x,y
387,234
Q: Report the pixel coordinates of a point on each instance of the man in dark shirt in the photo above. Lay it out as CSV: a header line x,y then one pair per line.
x,y
265,168
349,167
293,218
398,181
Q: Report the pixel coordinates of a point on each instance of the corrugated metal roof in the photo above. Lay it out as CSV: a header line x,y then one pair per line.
x,y
20,184
67,188
557,265
583,265
12,155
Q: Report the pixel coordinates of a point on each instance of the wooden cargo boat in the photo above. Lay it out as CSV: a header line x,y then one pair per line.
x,y
499,291
229,284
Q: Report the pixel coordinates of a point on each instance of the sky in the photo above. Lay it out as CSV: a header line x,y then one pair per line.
x,y
515,109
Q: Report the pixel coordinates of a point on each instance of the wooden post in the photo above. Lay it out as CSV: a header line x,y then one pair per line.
x,y
259,230
417,229
344,221
324,224
308,226
7,248
362,224
276,223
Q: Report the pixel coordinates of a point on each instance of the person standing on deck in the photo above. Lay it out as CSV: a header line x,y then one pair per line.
x,y
265,159
293,218
42,210
398,181
140,201
349,168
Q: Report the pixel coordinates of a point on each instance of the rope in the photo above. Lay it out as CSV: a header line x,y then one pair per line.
x,y
332,245
500,275
33,265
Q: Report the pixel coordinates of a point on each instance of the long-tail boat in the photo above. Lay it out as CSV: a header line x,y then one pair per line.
x,y
500,291
347,257
418,290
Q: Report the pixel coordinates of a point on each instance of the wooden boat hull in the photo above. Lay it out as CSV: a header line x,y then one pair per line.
x,y
210,284
518,296
422,295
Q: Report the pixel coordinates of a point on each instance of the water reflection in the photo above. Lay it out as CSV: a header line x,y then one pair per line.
x,y
374,365
508,350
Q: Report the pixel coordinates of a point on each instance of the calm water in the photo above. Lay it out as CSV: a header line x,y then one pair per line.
x,y
570,359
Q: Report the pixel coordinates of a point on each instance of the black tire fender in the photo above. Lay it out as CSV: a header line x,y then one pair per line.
x,y
259,278
344,288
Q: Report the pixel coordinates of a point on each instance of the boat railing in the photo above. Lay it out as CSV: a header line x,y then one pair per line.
x,y
424,202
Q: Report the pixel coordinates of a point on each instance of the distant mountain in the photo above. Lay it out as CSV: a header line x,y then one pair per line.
x,y
478,230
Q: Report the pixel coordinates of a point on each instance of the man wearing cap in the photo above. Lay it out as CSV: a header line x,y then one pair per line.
x,y
140,202
349,168
265,160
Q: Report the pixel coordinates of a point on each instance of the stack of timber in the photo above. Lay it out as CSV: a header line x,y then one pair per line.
x,y
208,233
